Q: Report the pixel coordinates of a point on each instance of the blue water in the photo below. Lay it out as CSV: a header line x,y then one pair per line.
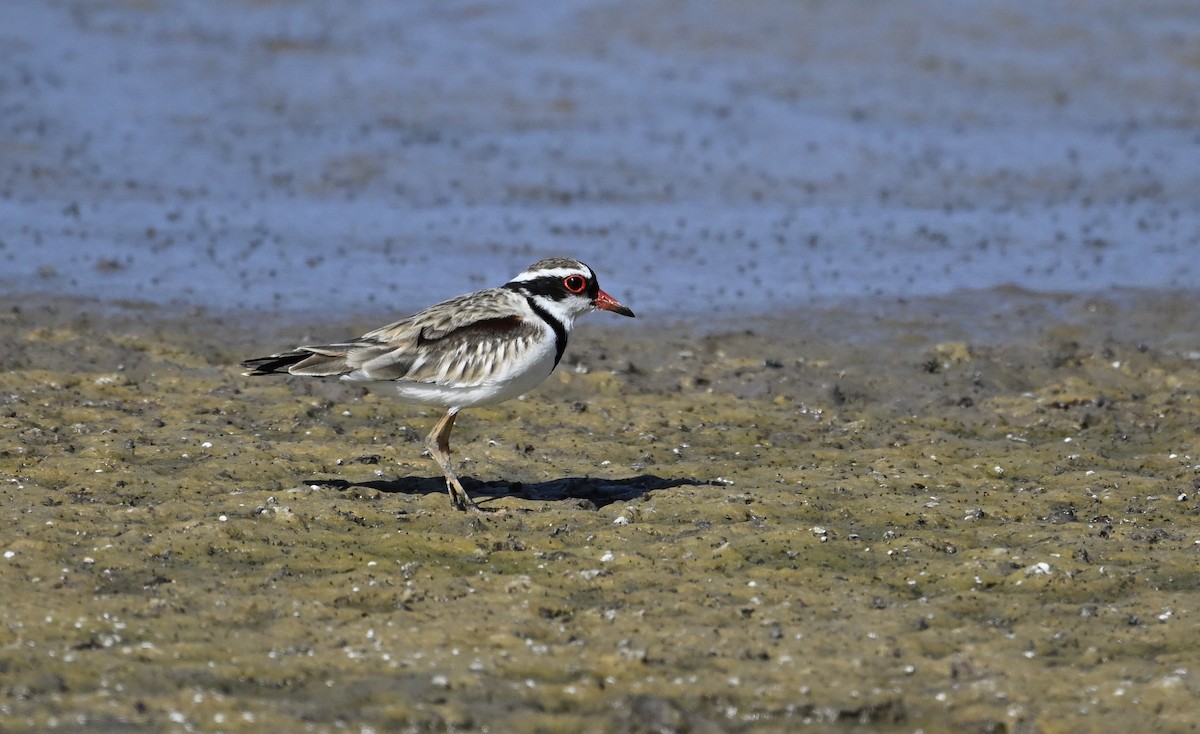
x,y
703,157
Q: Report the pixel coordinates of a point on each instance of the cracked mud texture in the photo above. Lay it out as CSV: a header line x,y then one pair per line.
x,y
975,513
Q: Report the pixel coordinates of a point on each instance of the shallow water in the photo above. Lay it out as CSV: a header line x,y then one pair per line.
x,y
305,157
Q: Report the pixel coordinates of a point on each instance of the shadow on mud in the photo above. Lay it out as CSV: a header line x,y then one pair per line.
x,y
587,491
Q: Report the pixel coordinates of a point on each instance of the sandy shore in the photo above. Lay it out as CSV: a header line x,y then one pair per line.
x,y
968,514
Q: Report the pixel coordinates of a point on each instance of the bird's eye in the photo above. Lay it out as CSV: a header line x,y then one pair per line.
x,y
575,283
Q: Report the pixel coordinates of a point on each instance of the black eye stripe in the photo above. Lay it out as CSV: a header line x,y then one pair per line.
x,y
554,286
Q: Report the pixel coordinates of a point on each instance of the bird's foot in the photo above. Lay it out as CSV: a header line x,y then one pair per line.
x,y
459,498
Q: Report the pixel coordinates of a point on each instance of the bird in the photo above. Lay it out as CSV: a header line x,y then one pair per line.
x,y
477,349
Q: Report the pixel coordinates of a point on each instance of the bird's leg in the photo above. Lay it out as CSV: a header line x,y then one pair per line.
x,y
438,443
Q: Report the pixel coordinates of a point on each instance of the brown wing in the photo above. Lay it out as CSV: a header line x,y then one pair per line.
x,y
458,342
449,316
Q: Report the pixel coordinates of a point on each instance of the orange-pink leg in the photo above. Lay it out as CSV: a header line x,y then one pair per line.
x,y
438,443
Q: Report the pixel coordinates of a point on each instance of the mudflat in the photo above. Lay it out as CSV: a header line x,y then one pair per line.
x,y
972,513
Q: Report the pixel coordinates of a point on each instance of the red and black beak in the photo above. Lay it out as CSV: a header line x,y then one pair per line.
x,y
606,302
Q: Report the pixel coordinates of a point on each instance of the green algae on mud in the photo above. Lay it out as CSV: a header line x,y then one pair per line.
x,y
980,523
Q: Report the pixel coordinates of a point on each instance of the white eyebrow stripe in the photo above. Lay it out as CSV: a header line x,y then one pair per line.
x,y
552,273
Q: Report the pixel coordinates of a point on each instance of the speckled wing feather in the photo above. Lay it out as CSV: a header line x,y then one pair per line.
x,y
460,342
446,317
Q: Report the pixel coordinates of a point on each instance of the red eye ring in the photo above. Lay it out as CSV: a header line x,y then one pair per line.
x,y
575,283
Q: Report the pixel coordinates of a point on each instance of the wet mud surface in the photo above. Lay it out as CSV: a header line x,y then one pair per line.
x,y
975,513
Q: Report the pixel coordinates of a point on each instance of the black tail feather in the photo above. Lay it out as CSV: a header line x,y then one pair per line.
x,y
275,364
